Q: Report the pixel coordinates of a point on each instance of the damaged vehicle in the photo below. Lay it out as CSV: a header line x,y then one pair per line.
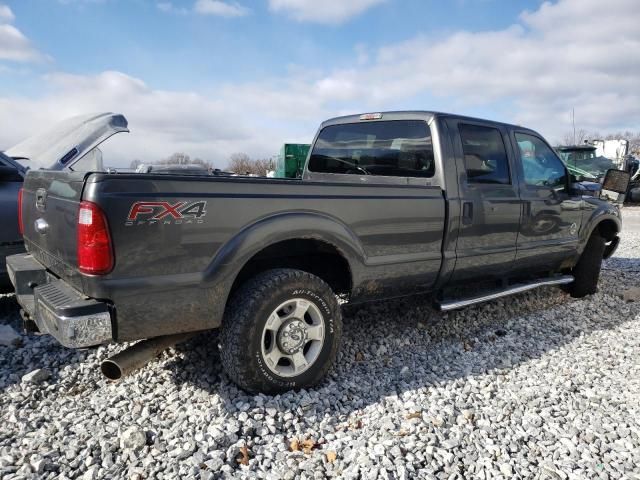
x,y
583,160
11,178
389,204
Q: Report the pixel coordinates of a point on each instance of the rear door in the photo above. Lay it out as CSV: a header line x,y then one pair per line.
x,y
401,235
491,206
551,217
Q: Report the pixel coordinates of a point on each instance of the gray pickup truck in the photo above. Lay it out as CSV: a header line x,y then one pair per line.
x,y
390,204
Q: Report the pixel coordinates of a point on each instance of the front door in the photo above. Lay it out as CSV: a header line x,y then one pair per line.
x,y
491,207
551,217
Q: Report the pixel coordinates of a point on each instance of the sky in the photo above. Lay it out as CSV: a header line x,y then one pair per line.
x,y
211,78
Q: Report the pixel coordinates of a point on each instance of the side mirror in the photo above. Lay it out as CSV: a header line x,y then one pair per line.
x,y
575,187
615,185
616,181
9,174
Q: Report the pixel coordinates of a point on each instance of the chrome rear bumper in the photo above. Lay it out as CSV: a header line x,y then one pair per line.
x,y
56,308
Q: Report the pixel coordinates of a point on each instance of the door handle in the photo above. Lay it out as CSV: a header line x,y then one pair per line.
x,y
467,213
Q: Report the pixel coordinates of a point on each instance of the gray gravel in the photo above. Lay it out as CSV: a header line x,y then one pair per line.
x,y
534,386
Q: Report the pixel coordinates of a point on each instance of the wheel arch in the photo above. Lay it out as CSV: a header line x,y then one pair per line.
x,y
309,241
607,228
608,225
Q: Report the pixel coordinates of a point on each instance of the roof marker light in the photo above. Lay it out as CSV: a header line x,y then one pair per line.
x,y
371,116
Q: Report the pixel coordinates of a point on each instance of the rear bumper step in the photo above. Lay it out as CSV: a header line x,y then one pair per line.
x,y
447,305
56,308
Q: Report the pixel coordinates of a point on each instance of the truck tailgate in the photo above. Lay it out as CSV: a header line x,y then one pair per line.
x,y
50,201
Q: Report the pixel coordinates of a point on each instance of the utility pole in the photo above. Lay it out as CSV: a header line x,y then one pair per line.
x,y
573,120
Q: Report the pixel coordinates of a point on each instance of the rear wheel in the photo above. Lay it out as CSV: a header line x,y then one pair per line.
x,y
281,331
587,270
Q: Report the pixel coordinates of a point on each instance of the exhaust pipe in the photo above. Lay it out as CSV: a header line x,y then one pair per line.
x,y
138,355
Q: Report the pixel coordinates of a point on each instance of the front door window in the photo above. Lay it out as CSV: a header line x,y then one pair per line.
x,y
541,166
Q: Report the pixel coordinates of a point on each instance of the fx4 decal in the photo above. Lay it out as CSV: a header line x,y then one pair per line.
x,y
150,213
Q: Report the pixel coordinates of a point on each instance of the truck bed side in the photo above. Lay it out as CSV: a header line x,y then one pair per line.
x,y
180,267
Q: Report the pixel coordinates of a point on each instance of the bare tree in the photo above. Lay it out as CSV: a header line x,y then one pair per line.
x,y
263,165
180,158
243,164
135,164
580,136
177,158
634,140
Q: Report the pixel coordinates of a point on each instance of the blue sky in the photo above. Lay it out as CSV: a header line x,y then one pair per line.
x,y
213,77
147,42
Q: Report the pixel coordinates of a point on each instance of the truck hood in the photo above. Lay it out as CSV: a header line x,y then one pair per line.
x,y
68,141
593,187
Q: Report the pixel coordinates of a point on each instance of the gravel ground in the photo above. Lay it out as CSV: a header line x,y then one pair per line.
x,y
534,386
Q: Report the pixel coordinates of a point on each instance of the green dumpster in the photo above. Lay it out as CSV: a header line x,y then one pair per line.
x,y
291,160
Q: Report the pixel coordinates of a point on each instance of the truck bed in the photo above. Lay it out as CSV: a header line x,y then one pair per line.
x,y
188,237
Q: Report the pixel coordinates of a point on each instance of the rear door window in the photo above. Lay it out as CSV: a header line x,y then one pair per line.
x,y
397,148
485,156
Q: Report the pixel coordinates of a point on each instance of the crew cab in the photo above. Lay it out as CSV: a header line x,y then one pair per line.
x,y
390,204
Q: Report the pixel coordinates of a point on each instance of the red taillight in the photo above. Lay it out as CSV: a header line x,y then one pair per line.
x,y
20,223
95,255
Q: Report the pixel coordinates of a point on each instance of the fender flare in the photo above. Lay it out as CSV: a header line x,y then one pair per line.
x,y
595,220
267,231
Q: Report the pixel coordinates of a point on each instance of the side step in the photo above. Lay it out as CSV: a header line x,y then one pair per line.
x,y
445,306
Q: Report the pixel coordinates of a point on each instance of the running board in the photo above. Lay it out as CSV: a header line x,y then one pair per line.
x,y
519,288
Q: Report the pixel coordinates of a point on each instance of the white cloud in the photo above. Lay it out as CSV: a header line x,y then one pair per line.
x,y
6,15
220,8
573,53
169,7
325,11
14,46
162,122
568,54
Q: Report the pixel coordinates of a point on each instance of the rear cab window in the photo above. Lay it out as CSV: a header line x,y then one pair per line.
x,y
396,148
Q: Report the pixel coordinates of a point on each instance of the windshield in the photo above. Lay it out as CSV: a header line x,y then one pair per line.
x,y
586,161
577,156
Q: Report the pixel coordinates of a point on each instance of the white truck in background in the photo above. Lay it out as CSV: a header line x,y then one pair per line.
x,y
615,150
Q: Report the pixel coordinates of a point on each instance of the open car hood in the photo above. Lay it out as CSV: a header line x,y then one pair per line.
x,y
68,141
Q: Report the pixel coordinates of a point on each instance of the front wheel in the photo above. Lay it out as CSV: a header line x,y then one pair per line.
x,y
281,331
587,270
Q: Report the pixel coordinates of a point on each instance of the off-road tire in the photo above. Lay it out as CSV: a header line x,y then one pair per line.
x,y
587,270
245,318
